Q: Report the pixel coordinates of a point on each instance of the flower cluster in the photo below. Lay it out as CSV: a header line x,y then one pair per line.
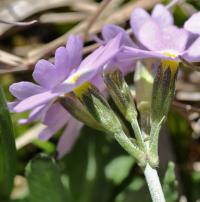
x,y
155,36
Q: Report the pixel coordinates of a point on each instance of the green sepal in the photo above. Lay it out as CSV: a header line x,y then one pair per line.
x,y
120,93
163,93
73,105
100,110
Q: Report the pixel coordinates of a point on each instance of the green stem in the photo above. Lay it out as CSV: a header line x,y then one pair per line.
x,y
138,135
154,138
153,183
131,148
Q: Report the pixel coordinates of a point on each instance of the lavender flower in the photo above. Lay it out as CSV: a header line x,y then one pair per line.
x,y
67,73
156,37
159,38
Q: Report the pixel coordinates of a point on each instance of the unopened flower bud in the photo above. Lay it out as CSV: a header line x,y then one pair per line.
x,y
121,94
72,104
163,90
162,95
98,108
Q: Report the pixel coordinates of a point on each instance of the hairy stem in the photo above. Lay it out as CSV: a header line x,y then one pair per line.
x,y
154,185
154,137
138,134
131,148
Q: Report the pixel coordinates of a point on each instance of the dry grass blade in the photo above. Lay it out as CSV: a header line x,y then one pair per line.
x,y
18,23
119,16
92,20
10,59
29,136
188,96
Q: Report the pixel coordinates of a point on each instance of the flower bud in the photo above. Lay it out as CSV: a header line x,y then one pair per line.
x,y
121,94
163,91
162,95
72,104
98,108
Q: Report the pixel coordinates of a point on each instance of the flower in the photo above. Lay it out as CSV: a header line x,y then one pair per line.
x,y
53,80
126,66
159,38
156,37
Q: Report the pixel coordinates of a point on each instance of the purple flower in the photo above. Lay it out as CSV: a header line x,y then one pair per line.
x,y
159,38
53,80
156,37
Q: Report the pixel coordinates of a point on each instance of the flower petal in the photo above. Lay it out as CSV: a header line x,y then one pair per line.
x,y
162,15
36,114
75,49
11,105
134,54
91,65
45,74
138,18
192,54
24,89
168,38
193,23
174,38
111,31
69,137
34,101
56,117
62,63
150,35
55,113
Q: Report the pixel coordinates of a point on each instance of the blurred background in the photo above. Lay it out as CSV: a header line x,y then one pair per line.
x,y
97,169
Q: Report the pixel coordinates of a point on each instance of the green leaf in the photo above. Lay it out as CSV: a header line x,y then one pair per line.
x,y
122,164
7,150
170,184
85,167
44,181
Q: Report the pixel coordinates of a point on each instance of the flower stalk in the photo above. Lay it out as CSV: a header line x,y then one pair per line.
x,y
121,95
153,183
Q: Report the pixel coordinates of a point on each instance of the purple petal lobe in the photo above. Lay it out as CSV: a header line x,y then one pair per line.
x,y
162,15
74,48
150,35
56,118
34,101
69,137
169,38
134,53
45,74
111,31
36,114
11,105
138,17
62,63
192,54
55,113
174,38
193,23
24,89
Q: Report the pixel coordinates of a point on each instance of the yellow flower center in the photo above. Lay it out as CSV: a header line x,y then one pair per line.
x,y
172,64
80,90
74,78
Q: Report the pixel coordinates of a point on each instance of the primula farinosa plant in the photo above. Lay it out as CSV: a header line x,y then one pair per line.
x,y
71,92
